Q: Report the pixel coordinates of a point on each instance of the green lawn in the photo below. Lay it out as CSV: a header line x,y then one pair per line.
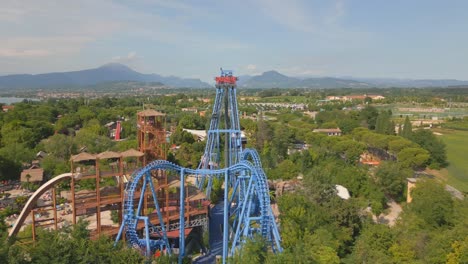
x,y
457,155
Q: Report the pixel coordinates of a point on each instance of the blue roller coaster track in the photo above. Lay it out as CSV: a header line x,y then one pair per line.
x,y
247,210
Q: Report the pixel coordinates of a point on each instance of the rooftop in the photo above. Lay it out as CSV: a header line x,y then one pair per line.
x,y
150,112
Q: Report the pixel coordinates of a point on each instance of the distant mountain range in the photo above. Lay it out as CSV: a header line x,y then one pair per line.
x,y
111,72
114,72
274,79
392,82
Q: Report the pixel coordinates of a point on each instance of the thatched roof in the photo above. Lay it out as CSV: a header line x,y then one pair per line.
x,y
174,183
82,157
108,155
132,153
150,112
198,196
36,175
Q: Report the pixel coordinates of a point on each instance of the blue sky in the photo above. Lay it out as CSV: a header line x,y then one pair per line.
x,y
360,38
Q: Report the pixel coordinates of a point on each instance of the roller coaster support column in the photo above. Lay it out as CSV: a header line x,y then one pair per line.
x,y
226,216
227,136
182,217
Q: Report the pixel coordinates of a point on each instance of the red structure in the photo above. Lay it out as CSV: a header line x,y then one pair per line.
x,y
226,78
117,131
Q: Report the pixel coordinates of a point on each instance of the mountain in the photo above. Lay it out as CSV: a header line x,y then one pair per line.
x,y
393,82
274,79
111,72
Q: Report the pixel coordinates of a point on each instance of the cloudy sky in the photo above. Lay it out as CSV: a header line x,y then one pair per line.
x,y
360,38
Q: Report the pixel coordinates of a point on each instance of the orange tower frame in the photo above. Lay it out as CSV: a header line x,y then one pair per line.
x,y
152,135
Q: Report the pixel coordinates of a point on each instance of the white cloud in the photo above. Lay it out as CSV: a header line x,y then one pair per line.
x,y
25,47
338,12
251,67
17,53
290,14
130,58
302,71
131,55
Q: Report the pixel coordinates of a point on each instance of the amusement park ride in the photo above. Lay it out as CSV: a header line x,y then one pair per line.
x,y
147,206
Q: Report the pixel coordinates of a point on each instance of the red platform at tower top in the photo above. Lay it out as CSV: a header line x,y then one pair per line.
x,y
226,80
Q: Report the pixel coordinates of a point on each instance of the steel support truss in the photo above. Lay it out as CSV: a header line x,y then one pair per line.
x,y
247,210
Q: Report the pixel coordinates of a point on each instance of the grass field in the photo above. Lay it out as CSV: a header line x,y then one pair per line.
x,y
456,173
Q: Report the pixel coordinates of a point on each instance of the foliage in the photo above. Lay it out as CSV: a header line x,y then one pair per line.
x,y
432,203
115,216
407,131
383,123
9,170
436,147
20,201
252,252
391,178
285,170
413,157
181,136
73,246
369,116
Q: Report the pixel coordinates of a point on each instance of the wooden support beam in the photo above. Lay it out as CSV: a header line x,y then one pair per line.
x,y
54,201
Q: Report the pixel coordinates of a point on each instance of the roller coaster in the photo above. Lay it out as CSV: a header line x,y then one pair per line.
x,y
246,200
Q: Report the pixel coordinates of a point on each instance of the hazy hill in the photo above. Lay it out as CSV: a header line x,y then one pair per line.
x,y
416,83
274,79
111,72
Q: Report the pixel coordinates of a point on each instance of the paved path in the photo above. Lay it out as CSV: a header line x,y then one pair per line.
x,y
216,235
392,216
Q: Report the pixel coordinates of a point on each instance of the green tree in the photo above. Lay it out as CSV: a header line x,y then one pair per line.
x,y
383,123
391,178
407,131
432,203
427,140
350,150
286,170
180,136
369,116
253,251
413,157
399,144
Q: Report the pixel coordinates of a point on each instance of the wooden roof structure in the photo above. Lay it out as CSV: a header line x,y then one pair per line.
x,y
108,155
150,112
82,157
196,197
132,153
37,175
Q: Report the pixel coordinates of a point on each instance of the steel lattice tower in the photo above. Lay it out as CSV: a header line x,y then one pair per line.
x,y
224,122
246,198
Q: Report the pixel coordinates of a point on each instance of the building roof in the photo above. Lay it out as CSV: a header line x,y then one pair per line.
x,y
174,183
36,174
132,153
327,130
412,180
82,157
196,197
108,155
150,112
